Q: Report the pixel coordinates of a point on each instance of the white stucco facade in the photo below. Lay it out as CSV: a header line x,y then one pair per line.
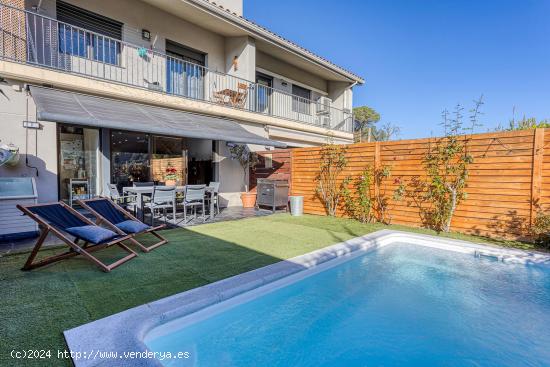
x,y
228,53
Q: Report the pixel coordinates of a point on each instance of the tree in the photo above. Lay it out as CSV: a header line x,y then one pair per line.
x,y
447,166
358,201
367,200
386,132
246,159
365,117
524,124
332,163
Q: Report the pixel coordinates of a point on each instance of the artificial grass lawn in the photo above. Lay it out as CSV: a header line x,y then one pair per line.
x,y
36,306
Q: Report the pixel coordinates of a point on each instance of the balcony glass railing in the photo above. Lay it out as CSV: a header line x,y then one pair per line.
x,y
29,38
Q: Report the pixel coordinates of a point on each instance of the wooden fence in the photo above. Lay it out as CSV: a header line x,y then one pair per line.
x,y
273,164
509,180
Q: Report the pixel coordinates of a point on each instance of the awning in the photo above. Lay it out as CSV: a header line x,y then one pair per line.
x,y
83,109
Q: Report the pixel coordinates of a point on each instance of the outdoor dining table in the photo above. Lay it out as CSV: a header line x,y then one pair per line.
x,y
232,95
148,190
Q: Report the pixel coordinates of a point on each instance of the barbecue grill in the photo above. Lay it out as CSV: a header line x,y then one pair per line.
x,y
272,193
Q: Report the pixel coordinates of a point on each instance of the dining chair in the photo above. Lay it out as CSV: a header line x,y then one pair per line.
x,y
164,197
194,197
219,97
128,201
215,189
144,197
144,184
239,99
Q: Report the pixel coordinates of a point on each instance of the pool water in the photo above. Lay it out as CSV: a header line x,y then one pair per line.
x,y
401,305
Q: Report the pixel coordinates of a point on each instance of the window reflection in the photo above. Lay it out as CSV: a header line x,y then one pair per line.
x,y
79,174
168,160
129,158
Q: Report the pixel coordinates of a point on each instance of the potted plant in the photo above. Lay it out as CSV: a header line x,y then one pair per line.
x,y
247,160
170,176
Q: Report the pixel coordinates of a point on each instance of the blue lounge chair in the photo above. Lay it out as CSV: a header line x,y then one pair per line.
x,y
60,219
117,219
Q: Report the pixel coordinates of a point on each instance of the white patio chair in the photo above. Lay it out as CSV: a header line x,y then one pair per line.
x,y
215,186
144,197
194,197
164,197
144,184
128,202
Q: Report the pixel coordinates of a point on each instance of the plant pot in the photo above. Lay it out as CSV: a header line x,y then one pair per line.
x,y
248,199
170,182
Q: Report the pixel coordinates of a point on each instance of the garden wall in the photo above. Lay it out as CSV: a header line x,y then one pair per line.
x,y
509,180
272,164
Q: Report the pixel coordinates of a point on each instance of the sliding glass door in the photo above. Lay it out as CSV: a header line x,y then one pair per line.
x,y
129,158
78,166
185,71
264,86
168,160
141,157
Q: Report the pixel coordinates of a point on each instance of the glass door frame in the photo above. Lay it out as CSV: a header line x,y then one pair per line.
x,y
269,92
111,167
151,137
184,154
58,127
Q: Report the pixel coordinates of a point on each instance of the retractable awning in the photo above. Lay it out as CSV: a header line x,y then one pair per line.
x,y
83,109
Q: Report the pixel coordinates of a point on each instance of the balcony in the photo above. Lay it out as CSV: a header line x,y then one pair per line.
x,y
32,39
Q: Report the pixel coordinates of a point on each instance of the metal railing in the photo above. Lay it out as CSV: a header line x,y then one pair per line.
x,y
29,38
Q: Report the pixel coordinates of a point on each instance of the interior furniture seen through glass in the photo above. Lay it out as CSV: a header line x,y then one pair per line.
x,y
78,162
168,160
129,158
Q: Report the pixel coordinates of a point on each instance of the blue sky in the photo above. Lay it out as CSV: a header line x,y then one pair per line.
x,y
419,57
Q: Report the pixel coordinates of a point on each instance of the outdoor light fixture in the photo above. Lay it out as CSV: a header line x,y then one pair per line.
x,y
31,124
146,35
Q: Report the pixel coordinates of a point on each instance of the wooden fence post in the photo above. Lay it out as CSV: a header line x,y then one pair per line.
x,y
291,153
377,154
536,173
377,165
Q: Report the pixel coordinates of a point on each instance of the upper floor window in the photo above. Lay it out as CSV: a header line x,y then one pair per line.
x,y
185,70
301,100
181,52
87,34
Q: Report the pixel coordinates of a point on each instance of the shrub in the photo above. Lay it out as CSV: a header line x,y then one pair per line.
x,y
246,158
333,161
446,164
357,201
364,201
541,230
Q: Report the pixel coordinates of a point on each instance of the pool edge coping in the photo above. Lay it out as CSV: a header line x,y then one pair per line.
x,y
125,331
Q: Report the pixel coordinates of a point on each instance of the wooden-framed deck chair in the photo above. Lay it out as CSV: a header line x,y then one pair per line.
x,y
60,219
112,215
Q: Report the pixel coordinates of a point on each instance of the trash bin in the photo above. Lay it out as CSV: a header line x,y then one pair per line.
x,y
296,205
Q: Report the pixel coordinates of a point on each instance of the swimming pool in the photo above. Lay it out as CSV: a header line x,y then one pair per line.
x,y
401,304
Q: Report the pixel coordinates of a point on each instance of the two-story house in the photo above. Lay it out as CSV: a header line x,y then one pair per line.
x,y
117,91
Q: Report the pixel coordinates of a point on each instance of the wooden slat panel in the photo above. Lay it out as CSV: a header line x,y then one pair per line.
x,y
280,167
501,184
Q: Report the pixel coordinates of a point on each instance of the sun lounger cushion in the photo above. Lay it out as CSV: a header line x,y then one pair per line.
x,y
132,226
93,234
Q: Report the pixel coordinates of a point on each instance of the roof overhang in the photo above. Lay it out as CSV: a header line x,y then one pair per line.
x,y
219,20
